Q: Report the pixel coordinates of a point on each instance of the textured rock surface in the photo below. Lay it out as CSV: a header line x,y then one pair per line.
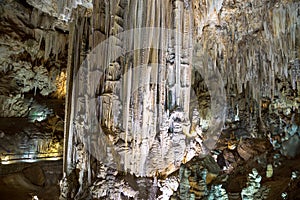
x,y
33,51
15,186
25,141
143,135
252,44
156,117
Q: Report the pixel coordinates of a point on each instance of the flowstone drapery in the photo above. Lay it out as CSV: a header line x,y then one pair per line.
x,y
132,94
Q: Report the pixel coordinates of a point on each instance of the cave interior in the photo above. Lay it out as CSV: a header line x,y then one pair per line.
x,y
149,99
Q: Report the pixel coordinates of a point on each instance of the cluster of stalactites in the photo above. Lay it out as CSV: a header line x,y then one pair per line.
x,y
252,43
139,86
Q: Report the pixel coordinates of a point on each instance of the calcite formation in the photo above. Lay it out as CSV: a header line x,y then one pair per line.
x,y
144,100
32,45
254,189
138,103
149,86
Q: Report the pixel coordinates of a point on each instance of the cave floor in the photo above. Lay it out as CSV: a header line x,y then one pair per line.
x,y
15,185
17,182
22,181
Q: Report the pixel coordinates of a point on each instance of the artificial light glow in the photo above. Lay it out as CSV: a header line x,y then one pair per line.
x,y
60,83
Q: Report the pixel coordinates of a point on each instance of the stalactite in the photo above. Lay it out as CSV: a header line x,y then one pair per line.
x,y
258,52
143,82
140,84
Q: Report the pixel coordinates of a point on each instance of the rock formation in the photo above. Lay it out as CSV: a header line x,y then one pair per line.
x,y
180,99
33,48
130,102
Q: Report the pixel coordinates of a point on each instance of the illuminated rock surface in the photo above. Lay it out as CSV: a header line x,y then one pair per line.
x,y
33,46
184,112
117,115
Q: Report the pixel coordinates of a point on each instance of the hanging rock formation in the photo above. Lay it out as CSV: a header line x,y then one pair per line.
x,y
33,48
132,87
140,89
